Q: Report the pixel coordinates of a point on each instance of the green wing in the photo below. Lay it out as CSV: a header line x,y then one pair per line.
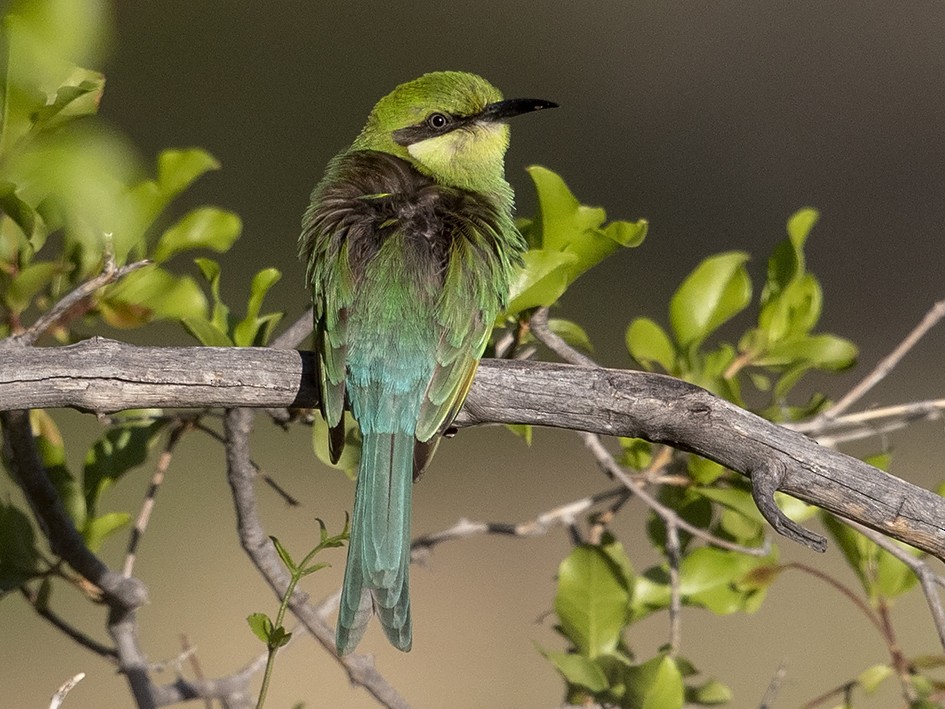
x,y
324,248
473,291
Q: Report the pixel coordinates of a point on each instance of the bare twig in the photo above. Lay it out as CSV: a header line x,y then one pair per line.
x,y
123,595
110,273
673,556
190,650
32,597
668,515
556,343
147,507
888,363
869,423
293,335
564,515
927,578
774,686
286,496
63,690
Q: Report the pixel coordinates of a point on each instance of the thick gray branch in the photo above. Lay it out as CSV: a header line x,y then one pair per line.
x,y
103,375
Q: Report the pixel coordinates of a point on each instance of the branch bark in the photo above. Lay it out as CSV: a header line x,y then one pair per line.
x,y
102,376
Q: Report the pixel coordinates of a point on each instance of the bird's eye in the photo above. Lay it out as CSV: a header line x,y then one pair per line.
x,y
437,121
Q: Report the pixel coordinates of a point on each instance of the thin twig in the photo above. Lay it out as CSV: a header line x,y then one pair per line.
x,y
175,663
190,651
157,479
286,496
556,343
863,424
293,335
66,687
927,578
673,555
774,686
564,515
845,590
898,660
845,689
110,273
32,597
888,363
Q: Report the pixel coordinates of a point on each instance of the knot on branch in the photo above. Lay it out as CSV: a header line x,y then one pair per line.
x,y
766,479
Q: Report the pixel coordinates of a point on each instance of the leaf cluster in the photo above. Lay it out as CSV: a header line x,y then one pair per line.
x,y
773,354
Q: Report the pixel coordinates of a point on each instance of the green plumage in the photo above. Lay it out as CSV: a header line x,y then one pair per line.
x,y
410,247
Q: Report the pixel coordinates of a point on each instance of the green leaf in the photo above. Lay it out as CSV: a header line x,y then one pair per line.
x,y
261,625
579,670
177,169
202,228
52,453
253,330
284,555
221,313
561,218
822,351
78,96
649,344
164,294
736,498
206,332
279,637
19,557
522,430
650,593
794,311
710,693
591,601
541,282
629,234
703,471
348,462
98,529
656,684
21,213
637,453
562,227
872,677
716,290
799,225
122,448
709,576
571,333
313,568
29,282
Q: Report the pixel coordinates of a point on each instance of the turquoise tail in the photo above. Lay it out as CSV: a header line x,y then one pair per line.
x,y
378,568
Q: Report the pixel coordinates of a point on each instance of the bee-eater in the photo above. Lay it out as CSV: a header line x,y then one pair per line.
x,y
410,246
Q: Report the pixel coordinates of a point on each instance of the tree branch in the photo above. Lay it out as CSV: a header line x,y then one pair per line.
x,y
103,375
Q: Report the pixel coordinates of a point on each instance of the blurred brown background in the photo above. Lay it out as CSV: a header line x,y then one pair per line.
x,y
713,120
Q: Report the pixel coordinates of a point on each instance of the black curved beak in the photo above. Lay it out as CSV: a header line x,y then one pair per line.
x,y
500,110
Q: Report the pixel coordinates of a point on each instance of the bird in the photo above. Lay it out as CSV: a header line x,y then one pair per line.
x,y
410,247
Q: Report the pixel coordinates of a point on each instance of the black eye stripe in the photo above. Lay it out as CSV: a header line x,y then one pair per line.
x,y
435,124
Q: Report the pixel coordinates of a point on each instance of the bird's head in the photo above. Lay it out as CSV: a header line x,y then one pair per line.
x,y
450,125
